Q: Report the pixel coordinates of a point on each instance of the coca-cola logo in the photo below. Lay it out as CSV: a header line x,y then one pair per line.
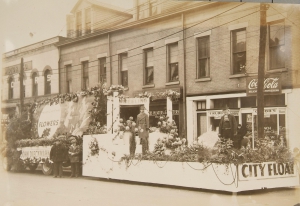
x,y
269,83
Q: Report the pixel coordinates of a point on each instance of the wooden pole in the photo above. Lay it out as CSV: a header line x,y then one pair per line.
x,y
261,70
21,86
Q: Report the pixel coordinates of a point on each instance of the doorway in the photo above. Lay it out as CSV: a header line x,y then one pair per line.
x,y
129,111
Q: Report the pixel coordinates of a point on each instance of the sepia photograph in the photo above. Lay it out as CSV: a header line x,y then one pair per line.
x,y
150,102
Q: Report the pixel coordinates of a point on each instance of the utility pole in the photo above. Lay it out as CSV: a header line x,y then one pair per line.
x,y
261,70
21,86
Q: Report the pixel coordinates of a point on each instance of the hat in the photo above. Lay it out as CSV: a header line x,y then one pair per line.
x,y
225,108
73,141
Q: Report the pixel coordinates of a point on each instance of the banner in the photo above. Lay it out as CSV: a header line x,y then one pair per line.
x,y
272,85
71,117
35,152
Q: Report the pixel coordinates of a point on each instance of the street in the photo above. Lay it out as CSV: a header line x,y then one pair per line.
x,y
37,189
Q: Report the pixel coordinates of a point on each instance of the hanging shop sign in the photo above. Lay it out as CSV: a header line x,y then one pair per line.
x,y
272,85
217,114
266,170
16,68
159,113
267,111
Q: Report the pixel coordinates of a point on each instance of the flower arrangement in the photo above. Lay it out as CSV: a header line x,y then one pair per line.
x,y
172,140
144,95
94,147
129,126
173,95
114,88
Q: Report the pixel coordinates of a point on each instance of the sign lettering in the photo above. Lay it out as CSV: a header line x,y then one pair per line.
x,y
271,85
16,68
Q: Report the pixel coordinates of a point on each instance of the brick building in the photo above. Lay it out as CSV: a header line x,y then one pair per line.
x,y
206,51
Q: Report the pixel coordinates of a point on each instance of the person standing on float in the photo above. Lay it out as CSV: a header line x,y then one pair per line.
x,y
142,124
228,125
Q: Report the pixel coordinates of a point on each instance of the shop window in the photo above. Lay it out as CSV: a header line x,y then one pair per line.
x,y
123,69
88,21
201,105
173,74
34,84
11,88
226,102
238,51
149,70
79,24
69,78
85,75
203,57
248,102
47,81
277,45
102,69
274,100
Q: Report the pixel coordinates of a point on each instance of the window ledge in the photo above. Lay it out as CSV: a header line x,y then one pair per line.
x,y
172,83
203,79
148,86
237,76
277,70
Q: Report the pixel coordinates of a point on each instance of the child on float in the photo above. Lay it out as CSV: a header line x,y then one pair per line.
x,y
74,152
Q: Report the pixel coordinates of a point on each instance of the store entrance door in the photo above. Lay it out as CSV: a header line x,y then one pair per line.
x,y
129,111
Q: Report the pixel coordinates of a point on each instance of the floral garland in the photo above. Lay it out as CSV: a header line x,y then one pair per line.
x,y
173,95
112,89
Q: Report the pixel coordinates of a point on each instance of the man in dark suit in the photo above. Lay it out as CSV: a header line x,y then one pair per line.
x,y
228,125
142,123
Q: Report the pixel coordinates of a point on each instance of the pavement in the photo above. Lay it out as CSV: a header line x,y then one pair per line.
x,y
37,189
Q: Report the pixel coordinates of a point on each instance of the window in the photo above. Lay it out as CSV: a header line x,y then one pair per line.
x,y
69,78
124,69
238,51
88,21
203,57
149,72
34,84
79,24
153,8
85,75
47,81
102,69
11,88
277,45
173,75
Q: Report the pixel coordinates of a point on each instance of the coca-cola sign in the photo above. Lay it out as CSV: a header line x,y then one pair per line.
x,y
272,85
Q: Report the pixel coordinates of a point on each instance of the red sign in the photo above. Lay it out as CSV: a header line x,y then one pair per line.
x,y
272,85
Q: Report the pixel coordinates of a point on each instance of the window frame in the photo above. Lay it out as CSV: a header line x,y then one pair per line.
x,y
232,54
102,70
207,57
146,68
123,71
169,64
279,45
85,79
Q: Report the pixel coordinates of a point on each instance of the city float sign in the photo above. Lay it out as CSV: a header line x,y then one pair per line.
x,y
272,85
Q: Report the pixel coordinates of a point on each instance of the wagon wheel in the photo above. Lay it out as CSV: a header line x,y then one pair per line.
x,y
47,168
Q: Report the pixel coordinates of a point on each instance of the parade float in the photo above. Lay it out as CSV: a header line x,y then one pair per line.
x,y
93,118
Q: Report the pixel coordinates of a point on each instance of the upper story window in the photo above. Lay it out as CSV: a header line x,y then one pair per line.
x,y
10,88
69,78
148,70
172,73
203,57
123,69
34,84
79,23
277,45
238,45
102,70
88,21
47,81
153,7
85,75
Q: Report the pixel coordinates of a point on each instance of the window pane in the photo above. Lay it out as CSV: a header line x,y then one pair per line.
x,y
102,63
69,85
69,72
203,44
149,75
203,67
47,79
124,78
123,61
174,72
34,85
239,62
239,40
277,57
173,53
277,34
149,58
85,68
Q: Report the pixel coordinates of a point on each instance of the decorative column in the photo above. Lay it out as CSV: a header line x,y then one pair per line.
x,y
109,116
116,111
169,108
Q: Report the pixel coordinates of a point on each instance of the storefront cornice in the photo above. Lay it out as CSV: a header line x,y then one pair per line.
x,y
140,22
